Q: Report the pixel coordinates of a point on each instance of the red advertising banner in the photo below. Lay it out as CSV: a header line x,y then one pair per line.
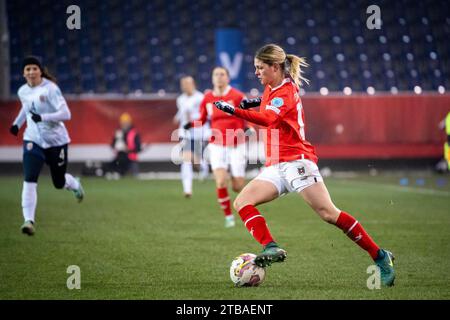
x,y
339,126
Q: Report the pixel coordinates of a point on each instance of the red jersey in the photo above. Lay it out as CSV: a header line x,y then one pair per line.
x,y
281,111
221,121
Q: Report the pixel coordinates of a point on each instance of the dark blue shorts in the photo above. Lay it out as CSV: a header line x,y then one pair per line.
x,y
34,158
196,147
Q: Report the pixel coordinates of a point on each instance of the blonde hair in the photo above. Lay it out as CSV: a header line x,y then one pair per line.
x,y
289,63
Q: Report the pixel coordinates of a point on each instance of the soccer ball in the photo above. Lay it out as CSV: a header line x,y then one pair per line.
x,y
245,273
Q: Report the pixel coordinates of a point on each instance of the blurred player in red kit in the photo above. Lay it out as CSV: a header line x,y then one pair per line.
x,y
291,161
227,142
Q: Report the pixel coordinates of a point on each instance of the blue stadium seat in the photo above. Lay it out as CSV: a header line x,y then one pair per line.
x,y
148,45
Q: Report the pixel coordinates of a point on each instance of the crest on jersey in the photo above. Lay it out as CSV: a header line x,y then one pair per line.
x,y
42,98
277,102
301,171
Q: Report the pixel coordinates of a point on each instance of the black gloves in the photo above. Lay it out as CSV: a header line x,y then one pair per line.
x,y
187,126
36,118
250,103
14,130
225,107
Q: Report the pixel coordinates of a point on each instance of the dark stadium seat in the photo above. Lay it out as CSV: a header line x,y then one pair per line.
x,y
138,45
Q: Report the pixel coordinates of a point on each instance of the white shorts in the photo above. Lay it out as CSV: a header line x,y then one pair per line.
x,y
293,176
223,156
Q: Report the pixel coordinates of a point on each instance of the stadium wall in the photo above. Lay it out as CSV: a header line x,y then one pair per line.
x,y
341,127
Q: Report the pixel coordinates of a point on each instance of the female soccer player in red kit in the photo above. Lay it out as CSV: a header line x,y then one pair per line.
x,y
227,143
291,161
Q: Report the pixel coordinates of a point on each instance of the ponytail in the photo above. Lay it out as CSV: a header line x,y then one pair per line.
x,y
293,67
47,75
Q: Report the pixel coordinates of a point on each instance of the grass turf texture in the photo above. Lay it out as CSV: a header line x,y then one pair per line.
x,y
138,239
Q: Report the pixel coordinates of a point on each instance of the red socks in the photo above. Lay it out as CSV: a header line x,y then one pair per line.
x,y
353,229
224,200
256,224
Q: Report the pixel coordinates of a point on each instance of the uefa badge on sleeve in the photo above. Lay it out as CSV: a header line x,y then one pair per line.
x,y
29,146
277,102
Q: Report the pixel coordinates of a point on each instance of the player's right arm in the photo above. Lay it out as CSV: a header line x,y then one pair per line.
x,y
202,119
19,121
177,117
264,118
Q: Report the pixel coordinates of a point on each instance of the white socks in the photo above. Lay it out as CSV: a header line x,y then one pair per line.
x,y
29,200
71,182
29,195
204,169
186,177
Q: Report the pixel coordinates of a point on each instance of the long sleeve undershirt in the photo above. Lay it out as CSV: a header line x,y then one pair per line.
x,y
263,118
62,114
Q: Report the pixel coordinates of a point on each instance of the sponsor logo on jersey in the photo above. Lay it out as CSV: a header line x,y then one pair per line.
x,y
277,102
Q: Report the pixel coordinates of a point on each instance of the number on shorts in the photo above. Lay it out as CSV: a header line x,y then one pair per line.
x,y
62,155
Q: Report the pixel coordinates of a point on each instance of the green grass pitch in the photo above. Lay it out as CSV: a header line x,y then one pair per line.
x,y
136,239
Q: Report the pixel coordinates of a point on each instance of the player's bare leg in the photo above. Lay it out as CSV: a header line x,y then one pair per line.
x,y
221,177
319,200
253,194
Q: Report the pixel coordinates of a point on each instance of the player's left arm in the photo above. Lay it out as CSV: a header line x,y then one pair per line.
x,y
201,120
272,113
248,127
21,118
57,100
18,122
250,103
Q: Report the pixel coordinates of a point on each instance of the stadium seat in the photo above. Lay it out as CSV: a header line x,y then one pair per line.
x,y
141,45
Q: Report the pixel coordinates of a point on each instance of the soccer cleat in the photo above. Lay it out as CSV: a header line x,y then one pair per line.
x,y
229,221
271,253
188,195
385,262
79,193
28,227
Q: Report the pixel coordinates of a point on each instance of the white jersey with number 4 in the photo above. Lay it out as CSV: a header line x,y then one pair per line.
x,y
47,101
